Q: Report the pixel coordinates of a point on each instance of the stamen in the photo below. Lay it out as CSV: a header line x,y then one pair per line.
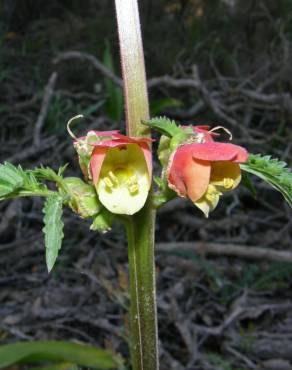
x,y
222,128
211,197
228,183
132,184
108,182
69,123
113,178
212,193
133,188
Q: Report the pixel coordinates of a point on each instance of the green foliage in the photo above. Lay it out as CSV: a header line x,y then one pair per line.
x,y
277,275
164,193
163,125
219,361
103,221
53,228
14,181
114,104
56,352
157,106
11,178
57,366
47,173
82,197
59,109
70,191
273,171
246,181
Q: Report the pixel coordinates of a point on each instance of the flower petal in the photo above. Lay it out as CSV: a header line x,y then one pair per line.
x,y
225,175
132,139
96,161
148,157
124,180
204,131
186,176
209,200
107,133
242,155
212,151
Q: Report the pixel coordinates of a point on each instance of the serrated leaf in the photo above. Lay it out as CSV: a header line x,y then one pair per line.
x,y
274,172
47,173
53,228
11,178
164,125
246,181
56,351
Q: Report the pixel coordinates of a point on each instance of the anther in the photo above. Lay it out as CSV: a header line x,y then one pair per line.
x,y
228,183
113,178
133,188
108,182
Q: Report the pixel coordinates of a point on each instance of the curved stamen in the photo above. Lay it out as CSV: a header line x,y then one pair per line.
x,y
69,123
222,128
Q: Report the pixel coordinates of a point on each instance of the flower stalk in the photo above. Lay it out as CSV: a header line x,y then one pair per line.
x,y
140,227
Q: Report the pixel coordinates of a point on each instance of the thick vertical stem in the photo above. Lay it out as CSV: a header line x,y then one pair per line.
x,y
133,67
140,227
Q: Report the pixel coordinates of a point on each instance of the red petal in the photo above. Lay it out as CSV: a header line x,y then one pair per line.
x,y
148,157
106,133
211,151
242,155
188,177
96,161
132,139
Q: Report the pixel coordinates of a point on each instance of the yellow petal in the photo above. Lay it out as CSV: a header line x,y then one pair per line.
x,y
208,202
225,175
124,181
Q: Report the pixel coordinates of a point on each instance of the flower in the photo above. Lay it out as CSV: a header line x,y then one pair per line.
x,y
203,170
121,170
84,148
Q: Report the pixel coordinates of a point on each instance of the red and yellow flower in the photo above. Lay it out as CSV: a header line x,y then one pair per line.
x,y
121,171
203,170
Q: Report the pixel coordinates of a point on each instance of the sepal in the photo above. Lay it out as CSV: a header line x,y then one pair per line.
x,y
103,221
82,197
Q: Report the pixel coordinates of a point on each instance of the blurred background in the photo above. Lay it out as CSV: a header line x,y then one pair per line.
x,y
217,62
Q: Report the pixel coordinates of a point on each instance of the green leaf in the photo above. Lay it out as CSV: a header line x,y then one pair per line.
x,y
56,351
114,104
246,181
47,173
164,125
53,228
157,106
16,182
11,178
273,171
57,366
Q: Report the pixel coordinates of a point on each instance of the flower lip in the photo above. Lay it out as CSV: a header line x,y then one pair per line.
x,y
122,177
213,151
186,176
119,139
100,133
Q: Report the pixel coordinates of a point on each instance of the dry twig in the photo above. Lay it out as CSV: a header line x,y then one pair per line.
x,y
230,250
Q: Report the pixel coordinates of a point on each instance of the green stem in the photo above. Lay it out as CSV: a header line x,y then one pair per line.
x,y
28,193
140,227
143,317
